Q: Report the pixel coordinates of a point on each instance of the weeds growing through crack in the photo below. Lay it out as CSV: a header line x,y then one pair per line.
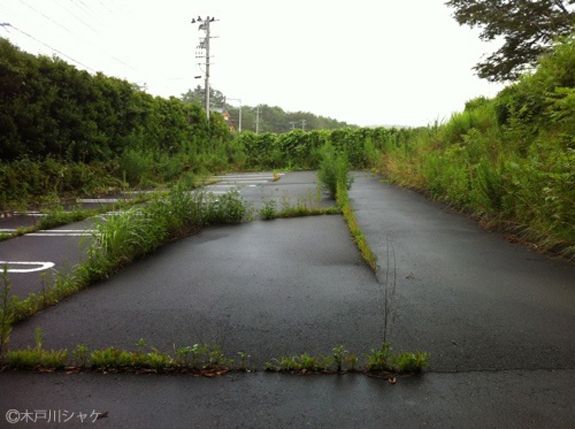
x,y
382,359
201,358
356,233
339,354
37,356
269,211
205,359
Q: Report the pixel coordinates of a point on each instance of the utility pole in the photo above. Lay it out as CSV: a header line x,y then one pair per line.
x,y
257,119
292,124
204,25
240,113
303,124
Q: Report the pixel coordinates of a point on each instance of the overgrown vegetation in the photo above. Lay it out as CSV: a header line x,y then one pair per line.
x,y
510,161
383,359
270,211
334,177
64,130
378,361
205,359
299,150
132,234
58,216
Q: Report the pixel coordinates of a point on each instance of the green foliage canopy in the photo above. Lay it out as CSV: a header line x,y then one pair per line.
x,y
528,28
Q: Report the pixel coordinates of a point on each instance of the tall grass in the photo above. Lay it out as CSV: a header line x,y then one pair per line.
x,y
509,161
135,233
334,177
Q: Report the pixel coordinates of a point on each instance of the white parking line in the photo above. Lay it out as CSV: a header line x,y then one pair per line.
x,y
239,183
65,234
39,266
34,214
99,200
56,232
245,176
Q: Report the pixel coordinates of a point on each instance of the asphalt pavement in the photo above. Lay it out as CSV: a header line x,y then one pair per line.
x,y
496,318
42,254
469,297
539,399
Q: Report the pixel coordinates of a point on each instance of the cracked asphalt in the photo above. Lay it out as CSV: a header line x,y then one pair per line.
x,y
496,318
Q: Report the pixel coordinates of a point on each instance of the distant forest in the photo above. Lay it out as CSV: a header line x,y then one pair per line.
x,y
272,118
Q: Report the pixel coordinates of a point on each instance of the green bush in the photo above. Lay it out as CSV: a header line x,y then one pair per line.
x,y
510,160
333,169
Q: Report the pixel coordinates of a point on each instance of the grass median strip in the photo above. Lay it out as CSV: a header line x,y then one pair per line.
x,y
334,177
269,211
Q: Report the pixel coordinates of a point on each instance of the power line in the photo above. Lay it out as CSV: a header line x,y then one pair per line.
x,y
7,24
46,16
71,32
76,17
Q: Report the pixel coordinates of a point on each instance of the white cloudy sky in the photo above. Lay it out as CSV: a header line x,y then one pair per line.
x,y
368,62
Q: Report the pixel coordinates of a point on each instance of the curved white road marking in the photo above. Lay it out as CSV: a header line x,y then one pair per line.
x,y
39,266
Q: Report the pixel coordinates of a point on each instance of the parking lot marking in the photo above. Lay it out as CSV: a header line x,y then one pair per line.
x,y
99,200
55,232
39,266
64,234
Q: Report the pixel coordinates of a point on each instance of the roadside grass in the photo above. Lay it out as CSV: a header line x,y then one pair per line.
x,y
132,234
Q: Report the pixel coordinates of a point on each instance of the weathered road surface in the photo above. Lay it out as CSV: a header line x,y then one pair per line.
x,y
467,296
496,318
66,246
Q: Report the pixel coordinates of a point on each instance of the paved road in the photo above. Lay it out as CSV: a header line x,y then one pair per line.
x,y
469,297
65,246
496,318
268,288
540,399
293,188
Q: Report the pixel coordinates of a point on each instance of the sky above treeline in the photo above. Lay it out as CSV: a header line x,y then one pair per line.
x,y
366,62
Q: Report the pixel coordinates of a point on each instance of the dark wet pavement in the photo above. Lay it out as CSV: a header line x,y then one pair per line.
x,y
496,318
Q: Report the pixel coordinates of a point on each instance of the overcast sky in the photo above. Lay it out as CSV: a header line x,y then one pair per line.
x,y
367,62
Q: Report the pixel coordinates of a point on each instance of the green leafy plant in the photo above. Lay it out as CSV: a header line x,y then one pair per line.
x,y
37,357
339,354
333,170
268,211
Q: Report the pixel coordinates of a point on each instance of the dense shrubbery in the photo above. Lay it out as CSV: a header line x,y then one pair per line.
x,y
510,160
63,130
301,150
49,108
